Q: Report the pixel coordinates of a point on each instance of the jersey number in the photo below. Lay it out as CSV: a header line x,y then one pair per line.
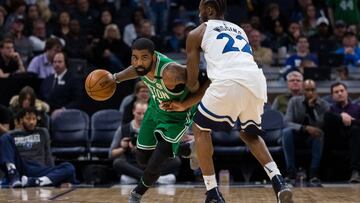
x,y
229,46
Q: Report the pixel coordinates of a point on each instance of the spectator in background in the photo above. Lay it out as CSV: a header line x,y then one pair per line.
x,y
304,120
176,38
321,42
111,52
309,22
106,19
342,128
76,44
131,30
18,8
146,31
348,11
10,61
302,53
295,84
61,90
63,25
141,92
246,26
262,55
294,32
350,50
5,117
339,32
279,40
123,151
32,14
272,15
22,44
25,99
188,27
42,64
26,152
86,16
3,14
38,37
159,11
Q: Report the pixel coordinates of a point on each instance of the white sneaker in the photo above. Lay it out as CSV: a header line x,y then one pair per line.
x,y
126,180
167,179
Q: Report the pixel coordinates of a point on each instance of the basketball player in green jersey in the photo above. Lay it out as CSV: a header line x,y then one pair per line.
x,y
161,131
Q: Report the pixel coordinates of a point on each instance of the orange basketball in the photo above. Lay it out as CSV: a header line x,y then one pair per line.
x,y
98,86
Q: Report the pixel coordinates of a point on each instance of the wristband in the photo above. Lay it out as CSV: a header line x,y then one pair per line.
x,y
114,78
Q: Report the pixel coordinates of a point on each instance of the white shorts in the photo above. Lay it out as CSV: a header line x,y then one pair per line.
x,y
226,102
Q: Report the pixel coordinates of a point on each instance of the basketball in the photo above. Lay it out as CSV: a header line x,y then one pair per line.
x,y
98,86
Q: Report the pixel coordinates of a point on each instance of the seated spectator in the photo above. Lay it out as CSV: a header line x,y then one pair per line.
x,y
262,55
106,19
75,43
141,92
294,32
63,25
350,50
132,29
32,14
320,42
5,117
86,16
25,99
42,64
342,128
111,52
61,90
309,22
339,32
10,61
146,31
26,153
304,120
174,41
302,53
38,37
123,151
3,14
294,81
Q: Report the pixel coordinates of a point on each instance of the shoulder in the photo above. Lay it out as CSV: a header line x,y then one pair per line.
x,y
173,69
196,34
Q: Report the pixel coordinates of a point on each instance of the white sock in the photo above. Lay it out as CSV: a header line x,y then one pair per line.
x,y
271,169
210,182
45,181
10,166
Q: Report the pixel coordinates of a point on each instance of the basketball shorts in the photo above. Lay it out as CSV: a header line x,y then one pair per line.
x,y
171,126
227,102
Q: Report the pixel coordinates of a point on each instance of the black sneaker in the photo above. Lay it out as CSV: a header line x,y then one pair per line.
x,y
314,182
14,178
214,196
282,190
30,181
134,197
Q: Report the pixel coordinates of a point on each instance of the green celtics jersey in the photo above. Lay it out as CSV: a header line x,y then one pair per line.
x,y
158,90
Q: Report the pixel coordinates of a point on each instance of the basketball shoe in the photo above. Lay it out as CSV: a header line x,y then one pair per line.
x,y
282,190
14,178
214,196
134,197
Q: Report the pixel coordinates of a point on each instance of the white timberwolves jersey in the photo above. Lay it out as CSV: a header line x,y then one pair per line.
x,y
229,57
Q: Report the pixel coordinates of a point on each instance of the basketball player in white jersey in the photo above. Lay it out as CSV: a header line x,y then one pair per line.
x,y
237,91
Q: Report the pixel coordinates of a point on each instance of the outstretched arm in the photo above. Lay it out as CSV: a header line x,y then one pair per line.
x,y
193,43
127,74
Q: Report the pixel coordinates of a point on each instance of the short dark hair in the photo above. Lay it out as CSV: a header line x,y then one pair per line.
x,y
335,85
218,5
23,111
143,43
66,59
52,42
5,41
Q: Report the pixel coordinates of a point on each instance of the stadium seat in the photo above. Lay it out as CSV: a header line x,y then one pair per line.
x,y
103,126
69,137
272,124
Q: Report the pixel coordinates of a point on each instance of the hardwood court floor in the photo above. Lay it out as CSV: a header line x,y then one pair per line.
x,y
179,194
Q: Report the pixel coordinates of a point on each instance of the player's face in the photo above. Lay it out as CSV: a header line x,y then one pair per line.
x,y
28,122
142,61
202,14
339,94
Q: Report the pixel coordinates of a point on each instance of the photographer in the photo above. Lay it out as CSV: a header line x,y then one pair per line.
x,y
123,151
10,61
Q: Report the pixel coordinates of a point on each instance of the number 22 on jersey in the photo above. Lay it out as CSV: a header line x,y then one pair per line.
x,y
229,46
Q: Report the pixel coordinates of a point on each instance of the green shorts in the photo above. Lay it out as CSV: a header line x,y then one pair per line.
x,y
171,126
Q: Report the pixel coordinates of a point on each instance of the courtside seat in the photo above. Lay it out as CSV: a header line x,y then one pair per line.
x,y
69,134
272,124
103,126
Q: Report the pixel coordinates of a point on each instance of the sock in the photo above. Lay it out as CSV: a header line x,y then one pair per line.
x,y
45,181
10,166
210,182
141,188
271,169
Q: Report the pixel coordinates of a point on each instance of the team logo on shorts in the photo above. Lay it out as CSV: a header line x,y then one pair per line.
x,y
159,86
